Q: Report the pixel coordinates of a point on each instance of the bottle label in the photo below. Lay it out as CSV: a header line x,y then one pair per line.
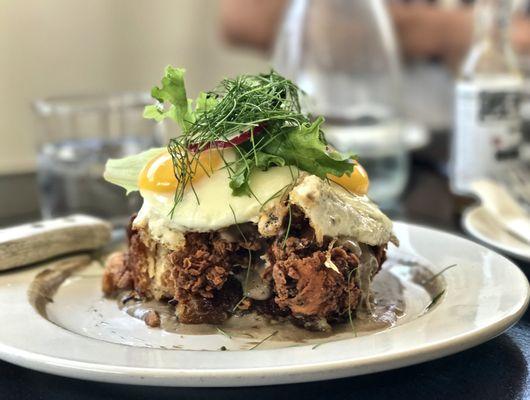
x,y
487,131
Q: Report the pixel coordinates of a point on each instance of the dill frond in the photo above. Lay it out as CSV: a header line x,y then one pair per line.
x,y
243,104
350,318
222,332
435,300
288,230
432,278
247,275
263,340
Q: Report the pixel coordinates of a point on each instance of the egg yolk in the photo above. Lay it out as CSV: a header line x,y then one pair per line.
x,y
158,175
357,182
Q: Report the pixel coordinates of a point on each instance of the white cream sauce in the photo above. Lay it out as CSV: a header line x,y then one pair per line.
x,y
334,212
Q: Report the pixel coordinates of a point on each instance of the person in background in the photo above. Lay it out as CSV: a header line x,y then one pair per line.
x,y
434,36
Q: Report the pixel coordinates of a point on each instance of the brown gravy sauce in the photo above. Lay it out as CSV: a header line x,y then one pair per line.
x,y
388,307
402,291
47,282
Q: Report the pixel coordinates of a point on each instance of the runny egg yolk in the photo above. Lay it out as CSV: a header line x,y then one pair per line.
x,y
357,182
158,175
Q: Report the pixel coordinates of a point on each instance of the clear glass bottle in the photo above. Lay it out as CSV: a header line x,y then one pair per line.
x,y
523,13
487,129
343,54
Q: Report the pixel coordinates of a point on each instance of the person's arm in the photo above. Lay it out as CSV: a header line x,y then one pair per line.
x,y
521,34
251,22
423,30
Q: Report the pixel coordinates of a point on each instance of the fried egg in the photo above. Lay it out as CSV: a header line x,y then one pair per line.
x,y
339,209
334,212
210,204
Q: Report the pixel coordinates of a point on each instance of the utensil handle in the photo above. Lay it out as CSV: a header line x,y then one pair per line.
x,y
38,241
503,207
497,199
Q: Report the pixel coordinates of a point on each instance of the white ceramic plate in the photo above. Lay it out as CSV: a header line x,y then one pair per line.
x,y
484,295
478,222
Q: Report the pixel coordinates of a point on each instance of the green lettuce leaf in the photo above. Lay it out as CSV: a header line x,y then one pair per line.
x,y
203,103
239,178
243,169
264,160
124,172
305,148
173,92
173,103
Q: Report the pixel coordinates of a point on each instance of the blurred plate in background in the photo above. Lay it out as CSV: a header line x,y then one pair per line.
x,y
480,224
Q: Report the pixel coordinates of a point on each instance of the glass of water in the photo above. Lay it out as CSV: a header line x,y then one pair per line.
x,y
77,134
343,54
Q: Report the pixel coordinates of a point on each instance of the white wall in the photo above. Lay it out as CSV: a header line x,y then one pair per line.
x,y
57,47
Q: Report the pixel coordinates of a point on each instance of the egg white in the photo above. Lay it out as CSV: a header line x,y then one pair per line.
x,y
331,210
213,206
334,212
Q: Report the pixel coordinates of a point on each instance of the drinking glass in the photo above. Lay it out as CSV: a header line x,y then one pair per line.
x,y
77,134
343,54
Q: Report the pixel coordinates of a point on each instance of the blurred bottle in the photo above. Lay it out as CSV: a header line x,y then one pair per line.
x,y
487,131
525,112
343,54
523,11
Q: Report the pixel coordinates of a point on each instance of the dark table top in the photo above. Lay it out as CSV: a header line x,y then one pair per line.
x,y
498,369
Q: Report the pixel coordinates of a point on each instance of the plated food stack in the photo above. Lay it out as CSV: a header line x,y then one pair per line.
x,y
248,210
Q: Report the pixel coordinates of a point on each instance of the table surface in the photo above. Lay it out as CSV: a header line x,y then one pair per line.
x,y
498,369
